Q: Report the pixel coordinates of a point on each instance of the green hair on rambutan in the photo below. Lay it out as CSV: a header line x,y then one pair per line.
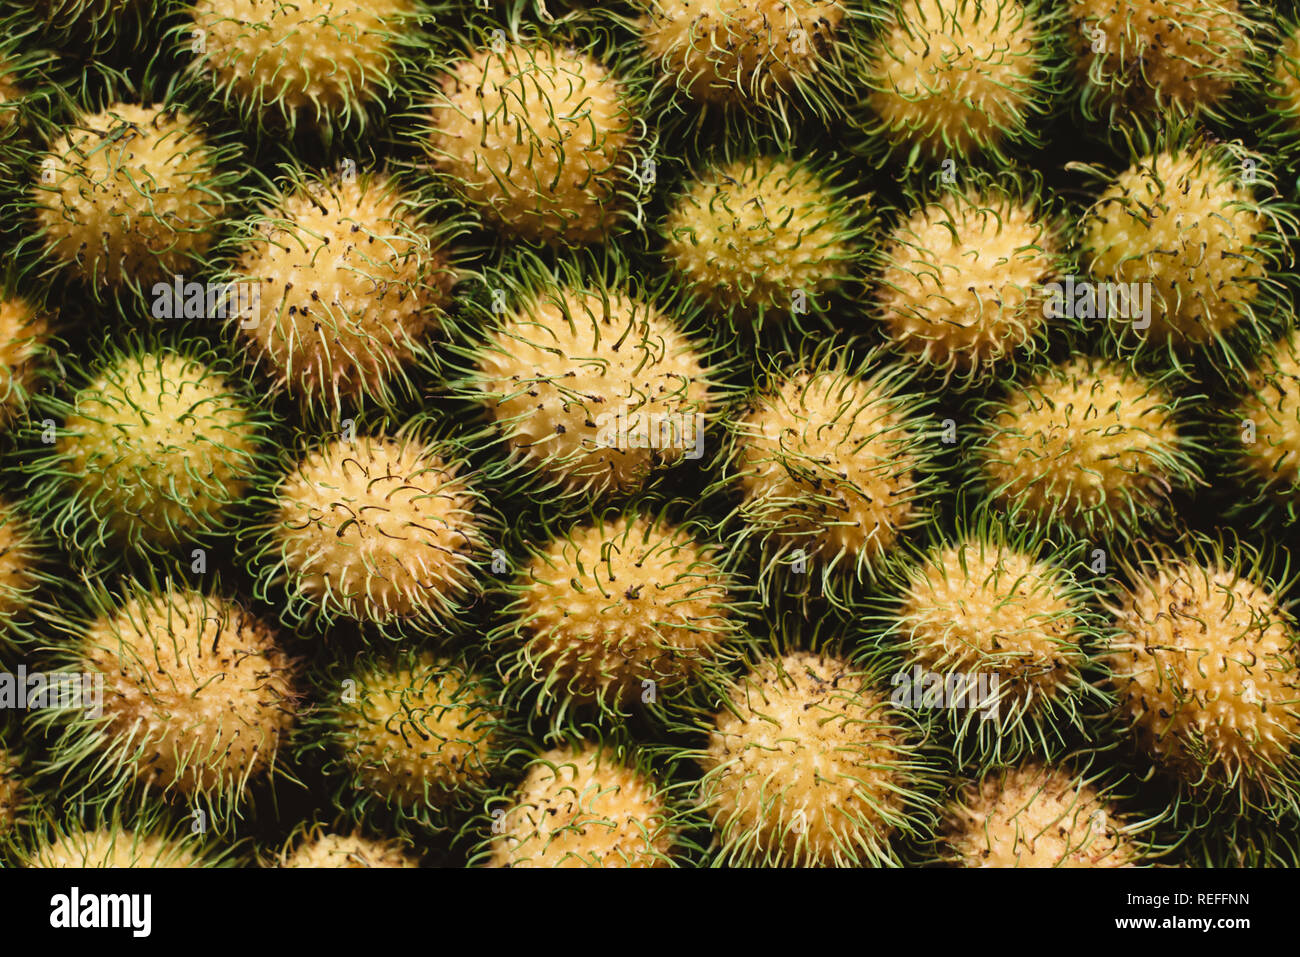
x,y
328,65
94,29
314,845
962,278
595,384
15,797
585,803
83,836
337,285
155,449
30,584
806,760
1187,248
387,530
617,615
1277,87
170,689
960,79
997,628
1202,660
26,352
539,134
127,195
1039,815
1140,61
412,737
1089,447
768,239
832,457
780,63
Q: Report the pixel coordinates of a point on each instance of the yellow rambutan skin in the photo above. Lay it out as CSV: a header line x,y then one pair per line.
x,y
613,606
1204,663
161,442
978,606
1087,438
23,330
17,563
10,93
1272,408
1032,816
825,457
752,233
596,391
803,762
349,287
730,50
123,195
582,808
418,732
377,528
1173,53
326,850
537,135
1185,223
952,76
961,286
327,56
112,849
197,693
10,791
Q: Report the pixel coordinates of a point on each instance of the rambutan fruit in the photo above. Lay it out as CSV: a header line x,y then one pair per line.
x,y
384,530
129,195
1203,663
410,734
596,387
583,805
1147,59
327,64
540,136
1088,446
317,847
961,278
808,764
13,791
617,613
1000,617
1033,815
347,280
1263,432
156,448
198,697
766,236
953,79
1279,86
24,342
778,60
832,458
96,28
25,581
1188,242
142,837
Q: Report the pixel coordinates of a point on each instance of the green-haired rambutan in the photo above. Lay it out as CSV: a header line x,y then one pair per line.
x,y
595,387
1263,432
808,764
961,280
129,195
198,697
385,530
952,79
316,847
13,791
768,238
1034,815
410,734
583,805
1279,85
831,457
1189,241
619,612
538,135
347,281
1087,445
24,339
154,450
1203,662
999,616
141,837
26,583
780,59
322,63
1144,59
